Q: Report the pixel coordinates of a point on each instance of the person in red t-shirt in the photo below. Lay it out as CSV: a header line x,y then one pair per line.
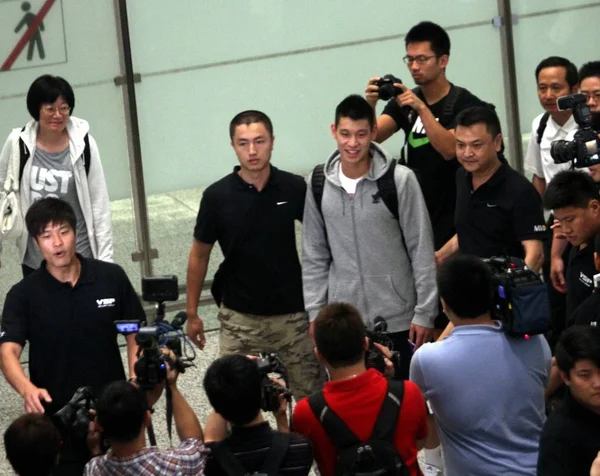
x,y
354,393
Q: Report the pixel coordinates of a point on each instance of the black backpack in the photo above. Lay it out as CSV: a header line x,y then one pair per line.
x,y
24,155
376,456
231,465
542,127
386,188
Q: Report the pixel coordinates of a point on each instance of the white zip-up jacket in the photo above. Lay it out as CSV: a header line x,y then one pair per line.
x,y
91,188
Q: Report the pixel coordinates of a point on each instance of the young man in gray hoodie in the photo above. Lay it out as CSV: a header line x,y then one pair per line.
x,y
355,250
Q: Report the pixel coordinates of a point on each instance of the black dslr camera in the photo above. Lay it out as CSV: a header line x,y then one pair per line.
x,y
387,90
150,368
373,356
520,298
269,363
74,418
582,151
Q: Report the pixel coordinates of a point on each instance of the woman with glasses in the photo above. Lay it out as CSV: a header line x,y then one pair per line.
x,y
57,157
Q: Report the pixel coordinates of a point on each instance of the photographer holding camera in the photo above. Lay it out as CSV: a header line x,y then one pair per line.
x,y
485,388
374,417
237,391
123,413
65,310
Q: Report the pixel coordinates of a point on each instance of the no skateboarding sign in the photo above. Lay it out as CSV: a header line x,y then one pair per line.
x,y
36,35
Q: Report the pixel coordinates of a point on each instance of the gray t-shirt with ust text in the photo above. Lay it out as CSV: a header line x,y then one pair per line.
x,y
52,175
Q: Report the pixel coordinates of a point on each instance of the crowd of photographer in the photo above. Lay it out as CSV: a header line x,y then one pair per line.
x,y
446,243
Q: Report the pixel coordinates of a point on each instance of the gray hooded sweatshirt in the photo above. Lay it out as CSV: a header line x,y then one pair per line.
x,y
355,253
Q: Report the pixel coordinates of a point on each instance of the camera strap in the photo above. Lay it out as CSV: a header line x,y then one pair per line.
x,y
169,411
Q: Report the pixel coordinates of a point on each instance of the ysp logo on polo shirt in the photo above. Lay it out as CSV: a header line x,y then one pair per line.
x,y
106,302
537,228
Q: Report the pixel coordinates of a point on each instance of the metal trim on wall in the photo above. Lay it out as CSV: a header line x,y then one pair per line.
x,y
511,95
144,253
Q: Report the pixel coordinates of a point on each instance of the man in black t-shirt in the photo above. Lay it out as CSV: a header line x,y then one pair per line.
x,y
588,312
66,310
251,213
571,438
427,117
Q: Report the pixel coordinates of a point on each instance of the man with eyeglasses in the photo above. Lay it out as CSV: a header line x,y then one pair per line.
x,y
426,115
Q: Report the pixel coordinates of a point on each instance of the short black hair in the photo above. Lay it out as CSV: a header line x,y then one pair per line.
x,y
339,334
589,70
558,61
250,117
45,90
570,189
480,115
465,284
577,343
432,32
32,444
233,386
49,210
355,107
121,410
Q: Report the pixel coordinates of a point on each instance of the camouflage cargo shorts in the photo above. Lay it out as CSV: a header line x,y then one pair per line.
x,y
286,335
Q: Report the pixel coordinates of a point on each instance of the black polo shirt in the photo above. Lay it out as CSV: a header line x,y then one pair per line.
x,y
264,277
495,218
580,275
588,312
70,329
570,440
251,444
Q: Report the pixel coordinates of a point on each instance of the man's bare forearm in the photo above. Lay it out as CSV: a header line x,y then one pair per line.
x,y
186,421
196,274
13,370
132,349
441,139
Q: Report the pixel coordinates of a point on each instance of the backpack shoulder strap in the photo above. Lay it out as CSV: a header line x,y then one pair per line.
x,y
386,422
337,431
23,155
386,185
451,99
317,184
542,127
276,454
227,461
87,154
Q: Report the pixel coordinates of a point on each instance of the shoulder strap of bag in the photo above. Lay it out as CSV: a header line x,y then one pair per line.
x,y
337,431
276,454
87,155
386,185
317,183
451,98
227,460
542,127
24,154
385,425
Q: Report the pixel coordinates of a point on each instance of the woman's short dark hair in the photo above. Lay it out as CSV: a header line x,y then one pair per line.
x,y
32,444
45,90
233,386
578,343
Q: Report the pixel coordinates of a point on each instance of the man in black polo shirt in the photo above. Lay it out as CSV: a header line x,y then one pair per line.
x,y
571,437
252,214
233,386
66,311
588,312
498,211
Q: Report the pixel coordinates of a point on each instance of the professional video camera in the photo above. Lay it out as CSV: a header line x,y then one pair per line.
x,y
269,363
150,367
387,90
73,419
583,149
520,297
373,356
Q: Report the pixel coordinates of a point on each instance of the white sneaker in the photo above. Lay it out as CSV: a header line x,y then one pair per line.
x,y
431,470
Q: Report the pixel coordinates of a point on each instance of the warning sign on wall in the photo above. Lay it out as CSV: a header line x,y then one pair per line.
x,y
32,34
